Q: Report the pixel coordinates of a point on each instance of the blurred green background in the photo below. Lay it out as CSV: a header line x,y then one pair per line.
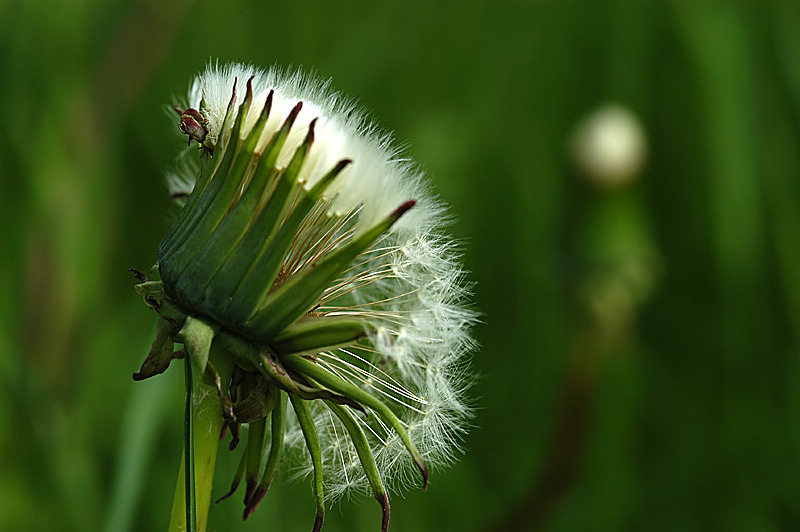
x,y
639,362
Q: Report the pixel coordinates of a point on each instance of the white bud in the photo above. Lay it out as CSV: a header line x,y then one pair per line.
x,y
609,146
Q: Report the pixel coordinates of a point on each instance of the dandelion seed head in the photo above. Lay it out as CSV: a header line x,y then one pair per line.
x,y
408,287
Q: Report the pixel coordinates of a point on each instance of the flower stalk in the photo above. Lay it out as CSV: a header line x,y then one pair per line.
x,y
206,423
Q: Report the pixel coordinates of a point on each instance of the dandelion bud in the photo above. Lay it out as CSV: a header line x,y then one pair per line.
x,y
609,146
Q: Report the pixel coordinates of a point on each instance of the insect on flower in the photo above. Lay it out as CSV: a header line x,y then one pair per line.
x,y
194,125
307,267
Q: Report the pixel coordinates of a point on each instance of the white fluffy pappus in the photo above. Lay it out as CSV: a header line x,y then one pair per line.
x,y
379,178
409,286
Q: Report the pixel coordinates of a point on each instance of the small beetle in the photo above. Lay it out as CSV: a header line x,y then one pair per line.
x,y
194,125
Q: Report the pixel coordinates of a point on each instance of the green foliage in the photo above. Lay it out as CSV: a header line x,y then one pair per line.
x,y
639,361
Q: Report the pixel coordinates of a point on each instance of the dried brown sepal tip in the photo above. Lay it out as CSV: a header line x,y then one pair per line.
x,y
161,352
383,500
249,93
402,209
237,478
341,165
255,498
147,370
423,468
234,485
234,437
293,114
141,277
249,493
310,135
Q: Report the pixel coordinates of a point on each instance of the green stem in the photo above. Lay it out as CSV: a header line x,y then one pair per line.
x,y
188,449
206,423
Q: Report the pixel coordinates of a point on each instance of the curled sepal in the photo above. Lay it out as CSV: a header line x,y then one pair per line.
x,y
196,336
234,428
256,401
289,301
237,478
272,367
276,437
365,457
315,334
161,352
339,385
152,293
312,442
212,378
